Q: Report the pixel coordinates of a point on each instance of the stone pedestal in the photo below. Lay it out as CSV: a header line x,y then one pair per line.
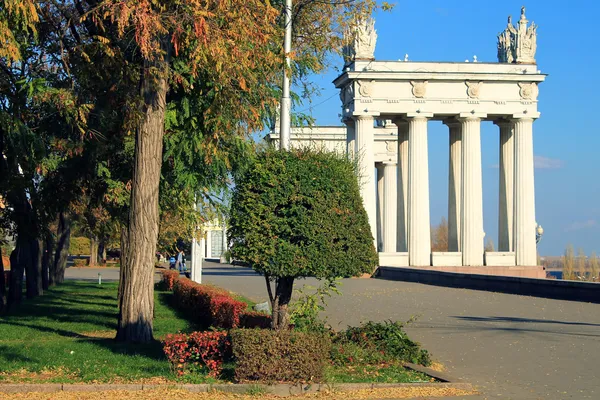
x,y
472,197
419,240
524,217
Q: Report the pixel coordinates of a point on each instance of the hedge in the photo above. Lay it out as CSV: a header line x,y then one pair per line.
x,y
279,356
210,305
209,349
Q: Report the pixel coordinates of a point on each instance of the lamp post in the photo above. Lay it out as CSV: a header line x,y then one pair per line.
x,y
286,102
539,231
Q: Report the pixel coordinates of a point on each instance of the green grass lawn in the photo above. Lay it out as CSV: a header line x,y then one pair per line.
x,y
374,373
67,336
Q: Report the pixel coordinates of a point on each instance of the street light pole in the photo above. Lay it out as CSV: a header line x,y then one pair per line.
x,y
286,103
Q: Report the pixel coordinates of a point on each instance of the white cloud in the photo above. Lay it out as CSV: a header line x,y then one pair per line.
x,y
577,226
541,162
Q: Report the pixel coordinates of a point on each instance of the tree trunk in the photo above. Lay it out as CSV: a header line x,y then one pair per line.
x,y
2,285
93,250
122,261
31,268
57,274
284,287
136,308
17,268
33,271
47,260
101,253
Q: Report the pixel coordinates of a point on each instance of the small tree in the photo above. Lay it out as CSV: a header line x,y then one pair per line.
x,y
439,236
299,214
594,269
489,245
569,263
581,270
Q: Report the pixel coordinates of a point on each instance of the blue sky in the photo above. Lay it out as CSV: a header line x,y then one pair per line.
x,y
566,137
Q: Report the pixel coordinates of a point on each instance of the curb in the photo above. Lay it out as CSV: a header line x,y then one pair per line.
x,y
282,390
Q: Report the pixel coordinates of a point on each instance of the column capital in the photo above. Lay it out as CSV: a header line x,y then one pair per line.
x,y
365,115
526,116
419,115
348,121
471,115
389,163
451,122
399,121
503,122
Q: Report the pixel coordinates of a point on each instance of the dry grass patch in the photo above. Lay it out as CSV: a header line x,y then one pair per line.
x,y
176,394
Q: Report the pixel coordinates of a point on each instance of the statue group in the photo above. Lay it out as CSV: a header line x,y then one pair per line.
x,y
515,44
518,45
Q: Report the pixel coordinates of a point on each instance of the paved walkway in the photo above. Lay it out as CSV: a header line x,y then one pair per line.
x,y
511,347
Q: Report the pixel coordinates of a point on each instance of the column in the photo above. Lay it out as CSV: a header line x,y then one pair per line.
x,y
472,192
223,244
365,148
454,184
198,247
402,186
419,240
389,207
350,138
208,244
505,210
380,195
524,196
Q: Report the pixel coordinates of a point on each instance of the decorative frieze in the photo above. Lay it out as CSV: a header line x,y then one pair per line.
x,y
473,89
419,88
528,90
365,88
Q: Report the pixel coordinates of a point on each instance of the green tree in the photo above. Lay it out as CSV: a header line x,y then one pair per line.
x,y
298,214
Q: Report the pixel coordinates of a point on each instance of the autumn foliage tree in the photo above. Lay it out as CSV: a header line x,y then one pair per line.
x,y
136,82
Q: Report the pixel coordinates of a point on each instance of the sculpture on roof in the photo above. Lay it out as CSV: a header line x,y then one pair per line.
x,y
518,45
359,40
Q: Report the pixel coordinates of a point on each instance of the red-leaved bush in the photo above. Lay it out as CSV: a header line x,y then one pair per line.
x,y
209,305
208,349
169,277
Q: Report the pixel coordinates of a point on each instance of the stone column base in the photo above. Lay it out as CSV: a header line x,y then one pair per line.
x,y
517,271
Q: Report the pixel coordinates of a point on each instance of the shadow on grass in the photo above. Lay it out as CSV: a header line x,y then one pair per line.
x,y
166,298
8,354
69,311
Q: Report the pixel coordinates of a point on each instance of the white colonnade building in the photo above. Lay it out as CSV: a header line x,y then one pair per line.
x,y
393,155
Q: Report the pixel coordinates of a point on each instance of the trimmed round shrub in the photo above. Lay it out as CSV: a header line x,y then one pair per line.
x,y
296,214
